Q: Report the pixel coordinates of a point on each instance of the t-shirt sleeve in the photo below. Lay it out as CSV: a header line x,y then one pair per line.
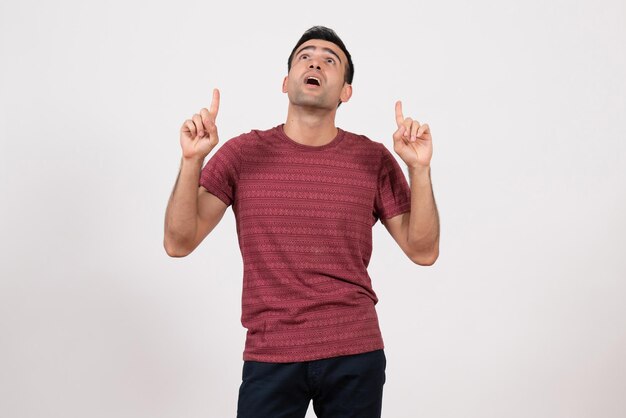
x,y
393,196
220,174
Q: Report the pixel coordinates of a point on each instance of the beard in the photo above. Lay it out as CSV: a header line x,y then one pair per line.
x,y
320,100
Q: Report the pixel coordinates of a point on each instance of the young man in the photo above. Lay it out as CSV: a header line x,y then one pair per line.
x,y
306,195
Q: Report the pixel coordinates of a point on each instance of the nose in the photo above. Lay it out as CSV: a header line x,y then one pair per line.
x,y
315,66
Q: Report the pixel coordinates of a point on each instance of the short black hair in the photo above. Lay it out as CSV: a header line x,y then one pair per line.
x,y
326,34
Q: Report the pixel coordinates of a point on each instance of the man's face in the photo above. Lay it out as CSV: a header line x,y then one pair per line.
x,y
316,77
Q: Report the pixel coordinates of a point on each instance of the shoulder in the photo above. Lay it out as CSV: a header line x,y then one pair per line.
x,y
365,142
248,138
362,139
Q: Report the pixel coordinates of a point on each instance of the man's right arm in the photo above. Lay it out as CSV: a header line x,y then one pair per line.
x,y
192,212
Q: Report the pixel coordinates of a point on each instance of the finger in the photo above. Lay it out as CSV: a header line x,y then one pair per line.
x,y
190,127
407,124
212,128
398,134
215,103
414,128
197,120
399,116
206,117
424,129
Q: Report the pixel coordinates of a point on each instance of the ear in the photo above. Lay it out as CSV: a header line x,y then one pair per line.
x,y
285,83
346,92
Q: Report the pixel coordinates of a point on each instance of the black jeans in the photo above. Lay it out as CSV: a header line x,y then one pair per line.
x,y
340,387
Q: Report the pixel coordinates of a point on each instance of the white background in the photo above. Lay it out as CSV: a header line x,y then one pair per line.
x,y
523,315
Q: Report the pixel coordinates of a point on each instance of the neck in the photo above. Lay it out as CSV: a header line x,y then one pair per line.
x,y
308,126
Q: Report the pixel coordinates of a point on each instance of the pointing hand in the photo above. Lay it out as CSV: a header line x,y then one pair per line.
x,y
198,135
412,141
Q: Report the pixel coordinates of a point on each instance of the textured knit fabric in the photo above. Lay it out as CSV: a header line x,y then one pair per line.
x,y
304,217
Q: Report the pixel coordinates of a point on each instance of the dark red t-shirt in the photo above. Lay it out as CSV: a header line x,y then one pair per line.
x,y
304,217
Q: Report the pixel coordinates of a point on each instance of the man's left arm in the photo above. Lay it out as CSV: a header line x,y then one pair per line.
x,y
417,231
423,228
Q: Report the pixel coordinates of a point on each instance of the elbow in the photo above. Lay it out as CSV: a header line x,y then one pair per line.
x,y
425,258
426,261
173,250
425,253
176,254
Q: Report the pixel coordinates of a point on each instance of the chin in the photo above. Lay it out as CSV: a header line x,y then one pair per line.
x,y
310,101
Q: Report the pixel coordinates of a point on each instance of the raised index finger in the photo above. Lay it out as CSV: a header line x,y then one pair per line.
x,y
399,115
215,103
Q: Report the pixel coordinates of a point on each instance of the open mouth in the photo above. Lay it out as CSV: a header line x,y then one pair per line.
x,y
313,81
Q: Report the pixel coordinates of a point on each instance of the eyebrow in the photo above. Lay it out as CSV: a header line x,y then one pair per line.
x,y
330,51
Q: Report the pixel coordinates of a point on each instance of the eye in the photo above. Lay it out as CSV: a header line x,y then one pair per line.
x,y
330,60
303,56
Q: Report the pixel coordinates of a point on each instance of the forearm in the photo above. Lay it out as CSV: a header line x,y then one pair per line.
x,y
423,230
182,209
